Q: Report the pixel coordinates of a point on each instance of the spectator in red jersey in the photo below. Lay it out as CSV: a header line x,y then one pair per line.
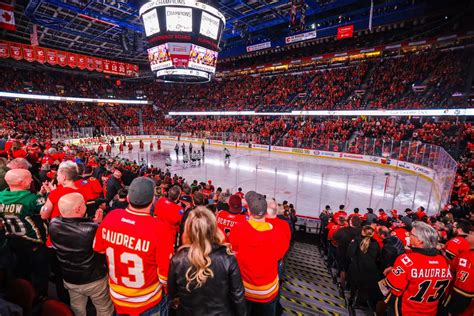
x,y
355,213
419,278
341,212
461,300
285,233
402,232
215,284
459,244
226,220
138,248
420,213
336,224
383,217
394,217
90,188
84,272
240,193
364,273
169,209
258,261
66,177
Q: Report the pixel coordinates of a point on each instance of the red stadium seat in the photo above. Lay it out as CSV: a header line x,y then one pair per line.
x,y
22,293
54,307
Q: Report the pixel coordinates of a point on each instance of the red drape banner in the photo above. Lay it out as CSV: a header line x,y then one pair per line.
x,y
16,51
29,53
51,56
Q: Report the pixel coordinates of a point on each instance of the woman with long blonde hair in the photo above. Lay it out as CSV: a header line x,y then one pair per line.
x,y
204,278
363,270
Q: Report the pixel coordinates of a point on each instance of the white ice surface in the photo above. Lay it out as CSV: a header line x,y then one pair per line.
x,y
308,182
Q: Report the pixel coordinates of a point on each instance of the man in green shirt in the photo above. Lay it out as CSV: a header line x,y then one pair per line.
x,y
25,231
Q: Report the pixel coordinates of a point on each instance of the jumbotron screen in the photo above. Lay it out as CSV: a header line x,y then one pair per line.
x,y
182,55
183,36
182,21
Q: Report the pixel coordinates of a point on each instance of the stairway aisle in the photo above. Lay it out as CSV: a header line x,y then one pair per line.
x,y
308,288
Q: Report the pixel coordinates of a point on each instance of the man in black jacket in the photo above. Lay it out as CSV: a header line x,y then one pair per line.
x,y
392,248
114,184
84,271
343,238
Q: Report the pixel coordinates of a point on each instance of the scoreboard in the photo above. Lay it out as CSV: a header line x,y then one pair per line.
x,y
183,38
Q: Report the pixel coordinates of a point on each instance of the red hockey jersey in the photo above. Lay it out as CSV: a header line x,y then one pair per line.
x,y
138,249
403,234
258,254
456,246
226,221
464,280
418,281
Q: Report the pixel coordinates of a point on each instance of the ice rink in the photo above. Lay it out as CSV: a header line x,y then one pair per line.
x,y
309,183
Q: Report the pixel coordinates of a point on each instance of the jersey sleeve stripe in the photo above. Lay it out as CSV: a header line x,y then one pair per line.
x,y
392,286
464,293
449,254
163,279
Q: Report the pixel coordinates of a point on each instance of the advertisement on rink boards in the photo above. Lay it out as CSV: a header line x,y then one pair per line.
x,y
243,145
309,224
258,146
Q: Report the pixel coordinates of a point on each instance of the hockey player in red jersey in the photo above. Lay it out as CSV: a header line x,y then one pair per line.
x,y
419,279
138,248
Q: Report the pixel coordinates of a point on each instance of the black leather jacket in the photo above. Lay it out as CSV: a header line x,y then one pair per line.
x,y
221,295
72,239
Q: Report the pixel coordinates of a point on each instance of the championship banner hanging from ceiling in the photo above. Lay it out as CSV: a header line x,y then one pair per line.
x,y
40,55
29,53
43,55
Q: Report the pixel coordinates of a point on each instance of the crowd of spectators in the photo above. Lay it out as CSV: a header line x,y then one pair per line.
x,y
429,79
217,240
84,197
376,258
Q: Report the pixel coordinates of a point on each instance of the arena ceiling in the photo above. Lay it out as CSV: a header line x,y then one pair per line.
x,y
112,28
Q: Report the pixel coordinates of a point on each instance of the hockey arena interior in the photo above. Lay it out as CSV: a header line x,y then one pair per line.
x,y
236,157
